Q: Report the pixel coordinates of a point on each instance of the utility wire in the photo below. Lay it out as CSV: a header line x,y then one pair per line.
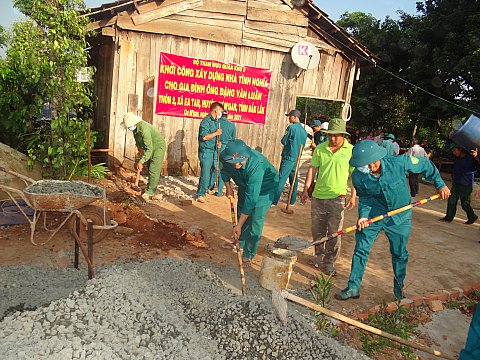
x,y
400,78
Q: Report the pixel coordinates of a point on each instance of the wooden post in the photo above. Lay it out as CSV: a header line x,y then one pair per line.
x,y
89,162
90,246
75,250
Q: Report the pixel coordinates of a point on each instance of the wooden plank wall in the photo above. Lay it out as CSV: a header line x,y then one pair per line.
x,y
181,133
248,33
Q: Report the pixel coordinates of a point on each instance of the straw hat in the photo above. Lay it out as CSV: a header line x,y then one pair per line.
x,y
131,119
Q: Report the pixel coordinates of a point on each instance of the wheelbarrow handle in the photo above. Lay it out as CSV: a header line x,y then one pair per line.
x,y
12,191
26,179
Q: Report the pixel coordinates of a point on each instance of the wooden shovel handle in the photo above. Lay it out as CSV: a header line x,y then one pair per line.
x,y
294,176
137,177
371,329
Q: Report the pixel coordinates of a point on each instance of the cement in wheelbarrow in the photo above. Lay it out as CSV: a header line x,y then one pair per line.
x,y
51,195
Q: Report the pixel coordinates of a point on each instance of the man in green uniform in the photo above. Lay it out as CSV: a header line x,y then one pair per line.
x,y
472,347
330,160
151,145
387,143
229,133
257,181
294,138
208,144
380,183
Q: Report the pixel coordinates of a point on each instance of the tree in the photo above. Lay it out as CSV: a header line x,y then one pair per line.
x,y
45,55
429,72
3,36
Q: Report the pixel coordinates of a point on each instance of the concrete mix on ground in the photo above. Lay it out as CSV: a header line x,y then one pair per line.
x,y
153,310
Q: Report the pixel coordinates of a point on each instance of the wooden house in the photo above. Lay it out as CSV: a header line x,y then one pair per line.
x,y
257,33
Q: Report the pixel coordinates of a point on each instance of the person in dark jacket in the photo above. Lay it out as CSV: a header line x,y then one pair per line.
x,y
464,167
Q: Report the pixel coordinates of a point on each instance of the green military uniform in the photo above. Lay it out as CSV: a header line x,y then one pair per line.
x,y
387,143
148,138
379,195
295,136
472,346
207,153
229,133
257,181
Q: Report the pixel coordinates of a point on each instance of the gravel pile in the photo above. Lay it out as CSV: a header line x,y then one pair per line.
x,y
158,310
64,187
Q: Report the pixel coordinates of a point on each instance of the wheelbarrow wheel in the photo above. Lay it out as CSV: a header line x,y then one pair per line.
x,y
94,213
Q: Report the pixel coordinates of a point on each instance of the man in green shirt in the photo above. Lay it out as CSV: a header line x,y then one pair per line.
x,y
257,181
151,146
330,159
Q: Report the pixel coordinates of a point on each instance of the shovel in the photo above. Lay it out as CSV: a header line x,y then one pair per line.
x,y
296,244
135,186
237,246
281,309
287,209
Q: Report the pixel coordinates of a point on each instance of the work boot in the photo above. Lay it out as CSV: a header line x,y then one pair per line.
x,y
347,293
472,220
398,293
329,270
201,199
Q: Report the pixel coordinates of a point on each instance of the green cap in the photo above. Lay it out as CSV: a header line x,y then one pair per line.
x,y
337,126
236,151
315,123
389,136
366,152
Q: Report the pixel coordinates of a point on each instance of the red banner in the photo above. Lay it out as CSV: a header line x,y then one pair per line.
x,y
187,86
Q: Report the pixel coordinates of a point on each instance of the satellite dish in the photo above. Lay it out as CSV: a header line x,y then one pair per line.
x,y
305,55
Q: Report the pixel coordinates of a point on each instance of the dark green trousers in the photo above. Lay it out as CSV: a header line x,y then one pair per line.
x,y
463,193
397,235
252,230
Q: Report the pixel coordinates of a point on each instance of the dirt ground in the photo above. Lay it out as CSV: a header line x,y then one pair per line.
x,y
442,255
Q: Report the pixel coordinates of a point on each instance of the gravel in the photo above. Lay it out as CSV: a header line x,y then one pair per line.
x,y
64,187
153,310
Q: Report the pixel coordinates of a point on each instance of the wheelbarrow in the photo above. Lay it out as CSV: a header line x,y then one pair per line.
x,y
70,197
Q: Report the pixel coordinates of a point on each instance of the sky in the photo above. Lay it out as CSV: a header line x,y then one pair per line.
x,y
378,8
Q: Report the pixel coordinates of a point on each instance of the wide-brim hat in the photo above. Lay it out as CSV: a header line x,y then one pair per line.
x,y
366,152
236,151
337,126
389,137
315,123
324,125
131,119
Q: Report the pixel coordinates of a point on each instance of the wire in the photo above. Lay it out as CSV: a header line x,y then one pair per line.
x,y
400,78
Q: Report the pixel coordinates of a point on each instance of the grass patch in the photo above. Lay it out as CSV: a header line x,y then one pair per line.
x,y
321,292
394,323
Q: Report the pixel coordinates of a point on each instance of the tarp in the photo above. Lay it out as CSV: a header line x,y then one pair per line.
x,y
10,214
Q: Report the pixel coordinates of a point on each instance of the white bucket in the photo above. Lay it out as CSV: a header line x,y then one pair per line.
x,y
277,267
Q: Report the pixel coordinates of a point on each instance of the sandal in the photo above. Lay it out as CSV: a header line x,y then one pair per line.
x,y
246,262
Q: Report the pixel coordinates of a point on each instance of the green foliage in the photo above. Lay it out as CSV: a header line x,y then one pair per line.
x,y
321,294
318,109
4,36
438,50
45,54
97,171
393,323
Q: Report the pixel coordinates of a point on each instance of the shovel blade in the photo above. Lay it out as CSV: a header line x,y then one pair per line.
x,y
292,243
280,306
287,211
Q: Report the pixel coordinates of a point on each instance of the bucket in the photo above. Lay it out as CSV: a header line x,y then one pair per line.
x,y
468,135
277,266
